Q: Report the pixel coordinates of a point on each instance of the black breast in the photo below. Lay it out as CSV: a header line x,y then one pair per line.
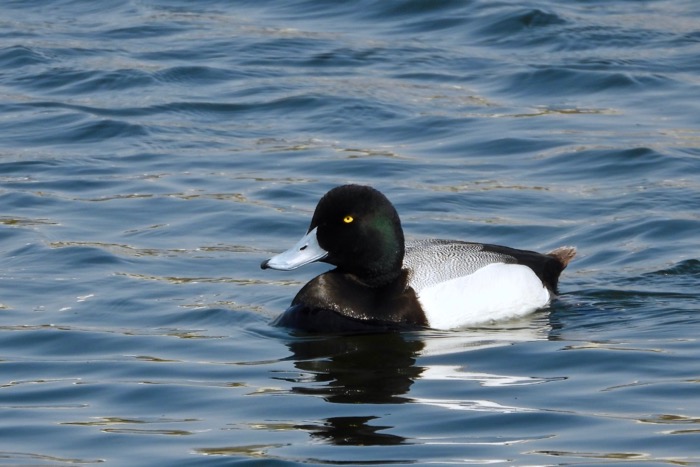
x,y
338,302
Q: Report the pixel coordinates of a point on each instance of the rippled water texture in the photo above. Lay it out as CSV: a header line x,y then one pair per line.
x,y
152,153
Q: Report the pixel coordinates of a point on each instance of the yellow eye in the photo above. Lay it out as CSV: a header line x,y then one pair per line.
x,y
348,219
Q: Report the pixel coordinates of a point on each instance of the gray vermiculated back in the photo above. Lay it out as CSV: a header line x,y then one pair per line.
x,y
432,261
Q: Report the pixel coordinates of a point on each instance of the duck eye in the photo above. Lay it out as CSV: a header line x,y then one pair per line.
x,y
348,219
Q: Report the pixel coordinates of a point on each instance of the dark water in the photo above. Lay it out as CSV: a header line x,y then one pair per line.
x,y
152,153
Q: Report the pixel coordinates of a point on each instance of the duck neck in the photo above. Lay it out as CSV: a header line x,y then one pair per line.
x,y
383,270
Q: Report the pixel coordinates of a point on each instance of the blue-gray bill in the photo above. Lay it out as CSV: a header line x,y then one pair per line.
x,y
305,251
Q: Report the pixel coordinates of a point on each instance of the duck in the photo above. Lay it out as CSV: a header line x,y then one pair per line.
x,y
382,282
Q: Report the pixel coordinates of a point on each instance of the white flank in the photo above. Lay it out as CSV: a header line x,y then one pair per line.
x,y
495,292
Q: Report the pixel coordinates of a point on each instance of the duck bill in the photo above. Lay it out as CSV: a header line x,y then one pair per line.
x,y
305,251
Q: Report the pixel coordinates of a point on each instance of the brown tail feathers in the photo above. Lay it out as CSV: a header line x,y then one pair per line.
x,y
563,254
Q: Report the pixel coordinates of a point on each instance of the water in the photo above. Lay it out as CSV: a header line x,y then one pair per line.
x,y
152,153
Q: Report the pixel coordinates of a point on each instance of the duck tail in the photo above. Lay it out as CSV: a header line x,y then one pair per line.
x,y
563,254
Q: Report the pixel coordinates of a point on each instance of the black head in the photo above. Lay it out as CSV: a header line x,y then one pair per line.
x,y
361,231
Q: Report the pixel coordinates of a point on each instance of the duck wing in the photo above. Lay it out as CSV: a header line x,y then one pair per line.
x,y
434,261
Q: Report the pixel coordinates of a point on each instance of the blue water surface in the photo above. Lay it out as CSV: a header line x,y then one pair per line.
x,y
154,152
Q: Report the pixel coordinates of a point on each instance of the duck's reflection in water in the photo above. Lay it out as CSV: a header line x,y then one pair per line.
x,y
359,369
381,368
369,369
352,431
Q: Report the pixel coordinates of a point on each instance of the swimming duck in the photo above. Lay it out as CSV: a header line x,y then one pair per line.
x,y
381,282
